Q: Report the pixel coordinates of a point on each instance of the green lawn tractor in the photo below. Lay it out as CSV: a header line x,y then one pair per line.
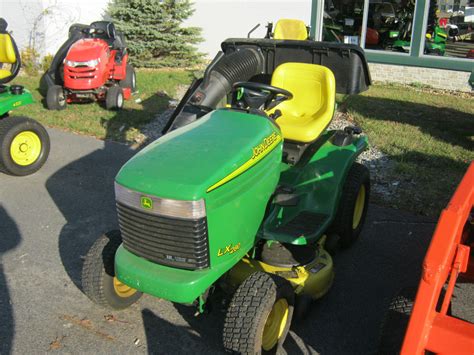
x,y
24,143
246,192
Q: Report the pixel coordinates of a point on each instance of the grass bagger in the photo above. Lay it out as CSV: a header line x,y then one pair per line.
x,y
426,315
24,143
91,65
244,193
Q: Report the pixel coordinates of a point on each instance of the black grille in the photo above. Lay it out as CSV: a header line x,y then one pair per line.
x,y
167,241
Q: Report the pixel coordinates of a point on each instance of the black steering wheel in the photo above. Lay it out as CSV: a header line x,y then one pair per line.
x,y
257,96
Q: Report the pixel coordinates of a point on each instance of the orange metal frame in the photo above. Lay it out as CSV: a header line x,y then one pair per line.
x,y
447,257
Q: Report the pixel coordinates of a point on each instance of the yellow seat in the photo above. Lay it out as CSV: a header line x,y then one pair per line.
x,y
290,29
311,109
5,73
7,51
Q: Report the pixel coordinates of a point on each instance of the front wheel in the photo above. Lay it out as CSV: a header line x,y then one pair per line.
x,y
259,316
353,205
99,282
24,145
114,98
55,98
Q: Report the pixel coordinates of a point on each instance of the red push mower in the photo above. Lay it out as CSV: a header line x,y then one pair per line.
x,y
92,65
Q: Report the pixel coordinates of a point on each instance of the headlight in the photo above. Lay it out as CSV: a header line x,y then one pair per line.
x,y
89,63
160,206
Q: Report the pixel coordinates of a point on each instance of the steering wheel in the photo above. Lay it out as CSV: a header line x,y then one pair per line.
x,y
258,96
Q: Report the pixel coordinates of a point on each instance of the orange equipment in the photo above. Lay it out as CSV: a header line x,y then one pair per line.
x,y
450,254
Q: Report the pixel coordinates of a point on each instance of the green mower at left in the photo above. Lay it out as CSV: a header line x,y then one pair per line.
x,y
24,143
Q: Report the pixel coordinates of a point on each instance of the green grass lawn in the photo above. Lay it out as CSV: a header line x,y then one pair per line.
x,y
155,87
428,134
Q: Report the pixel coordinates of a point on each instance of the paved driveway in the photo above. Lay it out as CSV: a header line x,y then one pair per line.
x,y
49,220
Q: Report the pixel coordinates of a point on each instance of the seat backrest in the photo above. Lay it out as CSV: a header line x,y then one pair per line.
x,y
310,111
290,29
7,51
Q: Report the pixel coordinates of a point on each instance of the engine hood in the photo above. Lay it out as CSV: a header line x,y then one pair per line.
x,y
87,49
197,159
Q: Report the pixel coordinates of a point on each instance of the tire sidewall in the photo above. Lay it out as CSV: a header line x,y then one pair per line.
x,y
112,101
98,273
281,290
55,93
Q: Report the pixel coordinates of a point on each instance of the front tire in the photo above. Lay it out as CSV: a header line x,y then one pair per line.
x,y
24,145
114,98
98,275
259,316
56,98
353,205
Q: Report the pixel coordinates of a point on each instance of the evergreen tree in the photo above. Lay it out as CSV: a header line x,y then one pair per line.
x,y
154,34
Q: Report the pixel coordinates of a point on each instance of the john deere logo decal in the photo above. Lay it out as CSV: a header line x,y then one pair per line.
x,y
266,145
147,203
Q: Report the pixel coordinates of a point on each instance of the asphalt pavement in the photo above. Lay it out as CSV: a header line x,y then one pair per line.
x,y
49,220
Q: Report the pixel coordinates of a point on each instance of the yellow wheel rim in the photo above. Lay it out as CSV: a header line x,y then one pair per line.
x,y
123,290
359,207
25,148
275,324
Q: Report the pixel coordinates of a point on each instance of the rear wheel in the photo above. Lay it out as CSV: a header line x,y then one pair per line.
x,y
353,205
259,316
55,98
24,145
99,282
130,80
114,98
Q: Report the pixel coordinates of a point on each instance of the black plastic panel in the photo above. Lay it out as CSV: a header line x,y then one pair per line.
x,y
347,61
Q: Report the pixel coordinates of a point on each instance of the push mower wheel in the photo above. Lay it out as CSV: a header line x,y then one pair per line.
x,y
114,98
98,275
55,98
130,80
353,205
259,315
24,145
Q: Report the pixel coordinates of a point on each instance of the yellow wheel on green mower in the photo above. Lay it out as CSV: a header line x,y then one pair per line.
x,y
99,281
359,207
275,324
259,315
123,290
353,204
25,148
24,145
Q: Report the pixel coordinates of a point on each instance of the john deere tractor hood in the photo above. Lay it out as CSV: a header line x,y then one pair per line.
x,y
201,157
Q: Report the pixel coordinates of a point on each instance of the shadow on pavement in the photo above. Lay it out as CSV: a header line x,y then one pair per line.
x,y
83,191
10,238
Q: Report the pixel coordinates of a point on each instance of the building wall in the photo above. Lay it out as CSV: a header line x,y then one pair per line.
x,y
44,24
222,19
438,78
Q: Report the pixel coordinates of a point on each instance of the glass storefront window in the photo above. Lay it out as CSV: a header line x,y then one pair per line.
x,y
390,25
343,21
450,29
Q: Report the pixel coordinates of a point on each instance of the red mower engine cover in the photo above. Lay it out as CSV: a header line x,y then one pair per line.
x,y
89,64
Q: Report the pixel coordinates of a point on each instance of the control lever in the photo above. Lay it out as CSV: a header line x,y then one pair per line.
x,y
275,114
